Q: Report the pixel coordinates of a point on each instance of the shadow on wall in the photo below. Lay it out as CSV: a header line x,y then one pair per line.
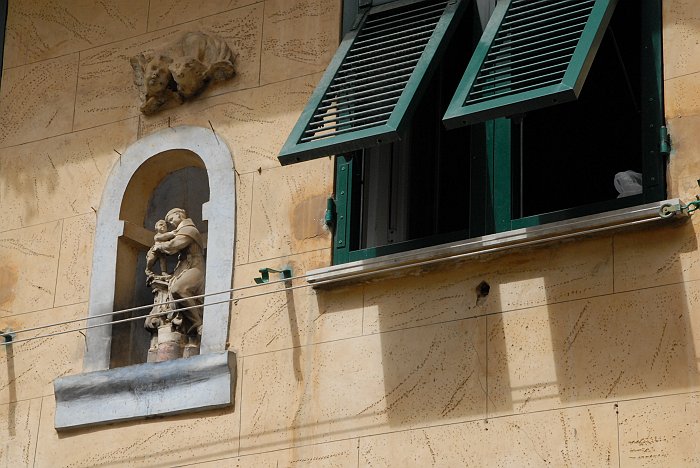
x,y
634,343
550,333
438,347
12,386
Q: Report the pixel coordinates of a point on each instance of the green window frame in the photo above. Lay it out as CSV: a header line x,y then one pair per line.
x,y
653,133
491,185
404,40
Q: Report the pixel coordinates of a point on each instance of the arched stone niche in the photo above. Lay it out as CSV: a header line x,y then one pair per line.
x,y
119,394
174,178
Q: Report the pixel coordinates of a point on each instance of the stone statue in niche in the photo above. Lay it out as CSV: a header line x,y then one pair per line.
x,y
176,328
168,77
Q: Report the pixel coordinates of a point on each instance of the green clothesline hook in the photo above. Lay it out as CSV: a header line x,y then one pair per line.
x,y
265,274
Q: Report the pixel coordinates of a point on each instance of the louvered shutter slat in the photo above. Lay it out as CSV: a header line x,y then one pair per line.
x,y
533,54
369,90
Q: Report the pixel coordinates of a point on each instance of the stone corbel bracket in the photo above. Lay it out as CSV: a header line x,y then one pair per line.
x,y
145,390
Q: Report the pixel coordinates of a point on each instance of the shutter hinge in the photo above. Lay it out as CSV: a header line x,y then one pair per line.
x,y
331,214
664,141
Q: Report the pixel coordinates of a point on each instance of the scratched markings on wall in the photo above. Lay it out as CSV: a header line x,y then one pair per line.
x,y
165,13
331,455
682,22
620,346
576,437
30,261
292,318
288,207
364,386
299,38
18,432
661,432
106,91
59,177
415,371
74,262
673,259
27,370
36,101
253,122
517,281
173,441
42,29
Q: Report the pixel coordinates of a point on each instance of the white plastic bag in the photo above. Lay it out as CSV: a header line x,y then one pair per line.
x,y
628,183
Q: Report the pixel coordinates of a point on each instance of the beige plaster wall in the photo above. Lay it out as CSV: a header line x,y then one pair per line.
x,y
583,354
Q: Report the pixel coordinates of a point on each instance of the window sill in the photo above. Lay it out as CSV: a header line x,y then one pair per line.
x,y
145,390
395,264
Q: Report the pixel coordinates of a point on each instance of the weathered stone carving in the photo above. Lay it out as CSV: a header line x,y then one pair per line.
x,y
176,328
167,77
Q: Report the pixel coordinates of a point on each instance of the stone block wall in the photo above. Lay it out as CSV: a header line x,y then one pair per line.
x,y
582,354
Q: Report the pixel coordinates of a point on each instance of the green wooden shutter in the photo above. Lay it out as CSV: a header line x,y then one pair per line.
x,y
533,54
370,87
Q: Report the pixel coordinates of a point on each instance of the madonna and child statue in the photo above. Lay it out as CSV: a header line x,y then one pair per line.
x,y
175,321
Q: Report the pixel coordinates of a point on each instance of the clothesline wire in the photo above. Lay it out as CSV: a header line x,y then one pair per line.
x,y
150,306
141,317
289,288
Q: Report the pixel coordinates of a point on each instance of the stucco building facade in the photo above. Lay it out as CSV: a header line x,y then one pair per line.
x,y
581,353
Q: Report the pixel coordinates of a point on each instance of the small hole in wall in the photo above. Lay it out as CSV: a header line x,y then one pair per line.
x,y
482,290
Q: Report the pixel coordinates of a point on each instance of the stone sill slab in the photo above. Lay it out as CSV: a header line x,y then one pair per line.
x,y
144,390
397,264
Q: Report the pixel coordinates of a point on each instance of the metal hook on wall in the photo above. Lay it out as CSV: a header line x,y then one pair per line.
x,y
265,274
8,335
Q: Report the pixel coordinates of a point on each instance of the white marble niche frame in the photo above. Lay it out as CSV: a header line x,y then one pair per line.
x,y
118,394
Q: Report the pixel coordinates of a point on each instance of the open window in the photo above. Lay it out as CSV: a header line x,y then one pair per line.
x,y
579,83
540,114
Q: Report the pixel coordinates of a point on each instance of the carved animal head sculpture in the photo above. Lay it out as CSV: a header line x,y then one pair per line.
x,y
190,75
182,70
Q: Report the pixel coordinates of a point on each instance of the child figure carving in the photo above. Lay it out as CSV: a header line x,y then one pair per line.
x,y
162,235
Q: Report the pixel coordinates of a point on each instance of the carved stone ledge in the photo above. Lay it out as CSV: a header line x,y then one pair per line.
x,y
153,389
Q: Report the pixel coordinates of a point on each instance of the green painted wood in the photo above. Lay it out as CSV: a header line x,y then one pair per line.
x,y
372,252
654,160
480,200
652,119
501,181
587,46
576,212
376,95
532,54
343,192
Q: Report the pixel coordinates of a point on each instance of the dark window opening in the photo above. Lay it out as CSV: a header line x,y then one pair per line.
x,y
567,155
418,188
